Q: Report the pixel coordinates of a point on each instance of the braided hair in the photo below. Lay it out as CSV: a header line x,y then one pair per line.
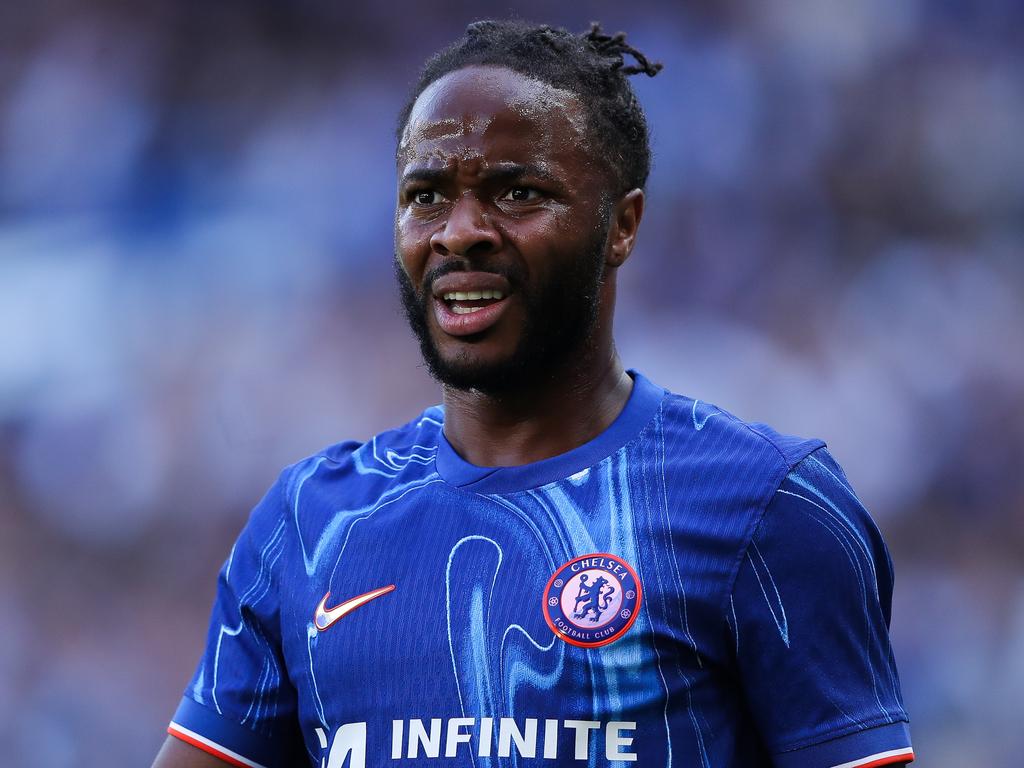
x,y
590,65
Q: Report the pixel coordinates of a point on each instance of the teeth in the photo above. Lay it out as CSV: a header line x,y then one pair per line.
x,y
465,310
472,295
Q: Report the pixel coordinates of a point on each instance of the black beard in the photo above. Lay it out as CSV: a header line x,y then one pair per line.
x,y
560,321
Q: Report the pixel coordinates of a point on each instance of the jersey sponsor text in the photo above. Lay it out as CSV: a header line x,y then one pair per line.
x,y
459,737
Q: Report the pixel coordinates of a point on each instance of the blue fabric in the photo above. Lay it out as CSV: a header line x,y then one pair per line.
x,y
873,741
810,615
761,632
227,733
641,406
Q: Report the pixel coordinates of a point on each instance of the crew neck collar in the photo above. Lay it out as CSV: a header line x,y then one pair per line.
x,y
641,406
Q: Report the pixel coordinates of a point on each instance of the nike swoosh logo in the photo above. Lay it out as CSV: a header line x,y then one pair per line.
x,y
324,617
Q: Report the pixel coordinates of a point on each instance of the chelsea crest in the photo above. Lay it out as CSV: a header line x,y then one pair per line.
x,y
592,600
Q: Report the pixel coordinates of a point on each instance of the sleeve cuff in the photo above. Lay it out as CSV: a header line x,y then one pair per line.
x,y
221,737
875,747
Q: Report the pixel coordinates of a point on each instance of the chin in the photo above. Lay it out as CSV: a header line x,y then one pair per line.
x,y
472,369
489,376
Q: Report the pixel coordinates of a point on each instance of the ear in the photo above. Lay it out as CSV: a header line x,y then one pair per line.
x,y
626,216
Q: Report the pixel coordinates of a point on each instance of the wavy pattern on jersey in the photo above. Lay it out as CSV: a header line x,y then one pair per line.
x,y
235,631
496,665
322,538
316,538
500,667
810,477
670,585
469,648
709,512
815,518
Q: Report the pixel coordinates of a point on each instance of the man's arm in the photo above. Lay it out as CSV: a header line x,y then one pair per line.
x,y
240,706
175,753
809,615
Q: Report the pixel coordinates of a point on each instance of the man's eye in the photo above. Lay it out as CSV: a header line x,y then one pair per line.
x,y
521,194
426,197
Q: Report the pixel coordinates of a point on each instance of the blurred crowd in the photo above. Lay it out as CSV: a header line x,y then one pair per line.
x,y
196,289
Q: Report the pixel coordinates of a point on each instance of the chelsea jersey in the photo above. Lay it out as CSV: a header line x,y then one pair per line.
x,y
685,590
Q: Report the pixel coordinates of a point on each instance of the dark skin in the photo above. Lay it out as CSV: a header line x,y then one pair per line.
x,y
177,754
496,168
465,131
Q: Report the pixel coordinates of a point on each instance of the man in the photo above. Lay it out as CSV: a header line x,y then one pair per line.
x,y
564,564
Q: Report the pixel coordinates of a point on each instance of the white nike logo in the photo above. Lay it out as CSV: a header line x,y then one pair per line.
x,y
325,617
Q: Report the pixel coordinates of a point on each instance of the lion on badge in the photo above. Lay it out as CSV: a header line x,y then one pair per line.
x,y
595,598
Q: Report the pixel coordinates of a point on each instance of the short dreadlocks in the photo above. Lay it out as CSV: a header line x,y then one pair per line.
x,y
589,65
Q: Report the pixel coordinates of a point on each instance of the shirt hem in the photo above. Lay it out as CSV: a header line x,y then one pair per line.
x,y
882,745
221,736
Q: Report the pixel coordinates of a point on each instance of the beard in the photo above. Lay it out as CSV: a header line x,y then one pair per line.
x,y
560,320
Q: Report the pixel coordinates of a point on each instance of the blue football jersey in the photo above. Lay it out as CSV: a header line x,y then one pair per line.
x,y
686,589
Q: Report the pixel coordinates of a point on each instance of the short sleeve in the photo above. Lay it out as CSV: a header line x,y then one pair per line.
x,y
809,616
241,705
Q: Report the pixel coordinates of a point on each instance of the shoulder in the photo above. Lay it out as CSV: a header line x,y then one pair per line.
x,y
721,473
819,540
809,613
816,514
702,432
356,470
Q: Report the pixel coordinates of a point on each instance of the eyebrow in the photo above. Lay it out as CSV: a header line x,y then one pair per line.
x,y
502,172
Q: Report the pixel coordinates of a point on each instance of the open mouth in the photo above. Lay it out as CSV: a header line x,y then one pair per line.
x,y
467,302
465,313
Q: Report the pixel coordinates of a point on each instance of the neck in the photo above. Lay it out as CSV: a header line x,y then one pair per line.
x,y
545,419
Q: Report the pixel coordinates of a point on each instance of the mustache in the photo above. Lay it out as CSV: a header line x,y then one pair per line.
x,y
512,272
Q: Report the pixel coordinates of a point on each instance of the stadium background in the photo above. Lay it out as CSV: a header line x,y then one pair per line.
x,y
195,290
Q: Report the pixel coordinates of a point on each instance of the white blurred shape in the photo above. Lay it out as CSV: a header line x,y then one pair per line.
x,y
835,38
319,160
57,332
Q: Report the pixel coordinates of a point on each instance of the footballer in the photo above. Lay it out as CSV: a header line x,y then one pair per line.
x,y
563,564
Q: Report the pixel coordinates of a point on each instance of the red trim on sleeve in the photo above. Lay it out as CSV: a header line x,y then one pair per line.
x,y
209,749
892,760
892,757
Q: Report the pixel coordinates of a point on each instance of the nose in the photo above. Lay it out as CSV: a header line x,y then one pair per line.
x,y
467,232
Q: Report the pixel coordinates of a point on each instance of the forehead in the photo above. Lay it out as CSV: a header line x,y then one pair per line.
x,y
478,111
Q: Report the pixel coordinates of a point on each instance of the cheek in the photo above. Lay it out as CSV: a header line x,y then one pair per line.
x,y
412,246
548,242
549,225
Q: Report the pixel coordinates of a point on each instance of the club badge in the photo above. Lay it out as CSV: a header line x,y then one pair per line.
x,y
592,600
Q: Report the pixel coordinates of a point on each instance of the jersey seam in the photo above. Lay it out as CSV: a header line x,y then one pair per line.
x,y
228,715
284,506
851,730
225,713
762,513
